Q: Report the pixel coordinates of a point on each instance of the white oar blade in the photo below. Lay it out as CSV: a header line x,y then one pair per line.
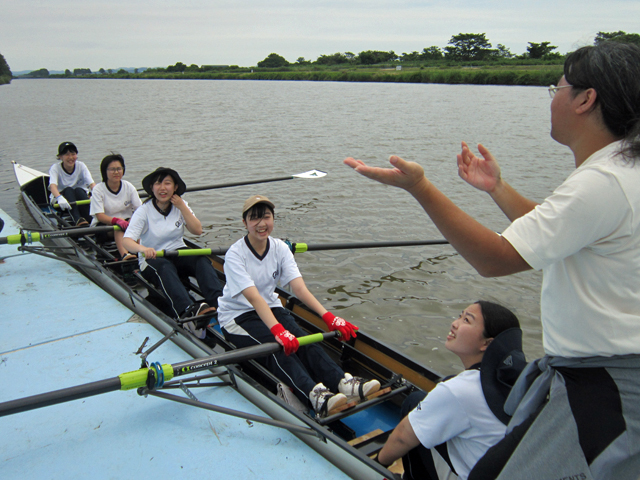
x,y
311,174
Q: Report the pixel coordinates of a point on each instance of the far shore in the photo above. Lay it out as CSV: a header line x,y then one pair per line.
x,y
491,74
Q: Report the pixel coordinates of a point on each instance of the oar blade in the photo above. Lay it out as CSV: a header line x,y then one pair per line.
x,y
311,174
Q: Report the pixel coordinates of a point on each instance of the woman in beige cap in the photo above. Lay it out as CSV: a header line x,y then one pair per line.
x,y
250,313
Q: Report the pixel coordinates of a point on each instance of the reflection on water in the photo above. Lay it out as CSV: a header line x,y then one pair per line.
x,y
225,131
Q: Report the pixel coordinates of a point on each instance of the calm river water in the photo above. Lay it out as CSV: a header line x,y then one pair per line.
x,y
223,131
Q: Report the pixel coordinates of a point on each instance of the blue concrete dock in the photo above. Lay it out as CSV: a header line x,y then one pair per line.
x,y
60,330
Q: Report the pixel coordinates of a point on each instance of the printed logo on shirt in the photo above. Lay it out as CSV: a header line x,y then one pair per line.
x,y
178,223
577,476
275,274
127,203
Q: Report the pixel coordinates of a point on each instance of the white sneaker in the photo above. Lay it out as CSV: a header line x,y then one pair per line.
x,y
323,401
355,388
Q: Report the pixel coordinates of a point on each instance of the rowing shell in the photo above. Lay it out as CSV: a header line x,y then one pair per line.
x,y
365,356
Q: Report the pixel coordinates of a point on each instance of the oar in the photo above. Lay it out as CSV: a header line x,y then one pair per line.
x,y
303,247
151,377
143,194
309,174
29,237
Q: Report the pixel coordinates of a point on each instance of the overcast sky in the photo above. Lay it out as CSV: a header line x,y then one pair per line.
x,y
61,34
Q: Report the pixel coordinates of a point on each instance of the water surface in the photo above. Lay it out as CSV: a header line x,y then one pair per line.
x,y
223,131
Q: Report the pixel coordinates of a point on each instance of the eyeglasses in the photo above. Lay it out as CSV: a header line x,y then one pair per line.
x,y
553,89
115,170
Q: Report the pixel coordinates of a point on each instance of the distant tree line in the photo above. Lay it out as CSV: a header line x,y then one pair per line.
x,y
461,48
464,47
5,71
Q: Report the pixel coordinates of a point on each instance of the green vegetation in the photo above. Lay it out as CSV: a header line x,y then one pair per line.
x,y
468,59
620,36
42,73
5,71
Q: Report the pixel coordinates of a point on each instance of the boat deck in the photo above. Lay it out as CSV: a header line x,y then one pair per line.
x,y
60,330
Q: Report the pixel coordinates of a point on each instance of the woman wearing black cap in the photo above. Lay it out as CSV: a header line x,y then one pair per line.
x,y
449,430
69,181
114,200
159,225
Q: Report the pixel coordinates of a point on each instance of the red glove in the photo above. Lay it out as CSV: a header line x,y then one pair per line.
x,y
123,224
285,338
347,330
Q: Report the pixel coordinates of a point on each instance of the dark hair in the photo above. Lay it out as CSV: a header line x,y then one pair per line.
x,y
496,318
158,177
257,211
613,70
106,161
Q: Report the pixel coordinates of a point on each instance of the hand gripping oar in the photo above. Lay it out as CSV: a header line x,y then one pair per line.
x,y
30,237
151,377
309,174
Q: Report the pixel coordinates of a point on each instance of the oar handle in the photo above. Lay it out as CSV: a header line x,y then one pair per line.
x,y
241,355
191,252
316,338
79,202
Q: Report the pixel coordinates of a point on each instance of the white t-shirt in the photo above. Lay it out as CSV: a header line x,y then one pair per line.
x,y
243,269
586,239
456,412
80,177
121,204
156,230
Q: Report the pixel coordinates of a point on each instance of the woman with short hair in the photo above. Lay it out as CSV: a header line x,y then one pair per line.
x,y
159,225
114,200
69,182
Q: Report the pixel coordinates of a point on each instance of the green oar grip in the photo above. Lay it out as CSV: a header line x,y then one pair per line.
x,y
79,202
28,237
189,252
309,339
138,378
300,247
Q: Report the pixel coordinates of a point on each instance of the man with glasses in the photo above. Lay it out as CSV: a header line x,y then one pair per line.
x,y
575,412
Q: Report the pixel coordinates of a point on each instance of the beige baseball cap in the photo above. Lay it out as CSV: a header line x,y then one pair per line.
x,y
251,201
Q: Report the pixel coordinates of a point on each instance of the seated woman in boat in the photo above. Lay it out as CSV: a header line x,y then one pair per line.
x,y
69,181
159,225
114,200
455,424
251,313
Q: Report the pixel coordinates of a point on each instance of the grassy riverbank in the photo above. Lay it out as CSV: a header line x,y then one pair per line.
x,y
488,74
